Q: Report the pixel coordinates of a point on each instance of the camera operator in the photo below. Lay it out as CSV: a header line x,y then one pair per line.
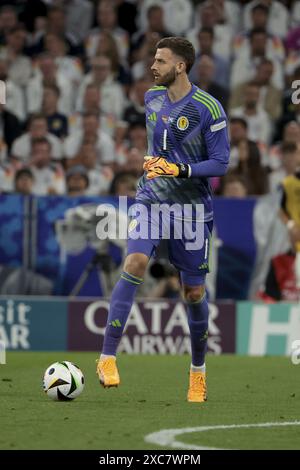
x,y
168,285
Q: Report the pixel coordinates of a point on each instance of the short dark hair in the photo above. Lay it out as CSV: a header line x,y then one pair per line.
x,y
23,172
119,178
239,120
181,47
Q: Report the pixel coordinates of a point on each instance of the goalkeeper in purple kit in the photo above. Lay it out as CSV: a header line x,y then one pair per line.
x,y
187,143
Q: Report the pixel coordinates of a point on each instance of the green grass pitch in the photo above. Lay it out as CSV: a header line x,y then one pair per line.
x,y
152,397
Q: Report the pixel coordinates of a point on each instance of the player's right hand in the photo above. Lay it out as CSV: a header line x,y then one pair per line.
x,y
159,166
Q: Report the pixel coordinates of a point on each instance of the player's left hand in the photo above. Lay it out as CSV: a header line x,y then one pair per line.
x,y
159,166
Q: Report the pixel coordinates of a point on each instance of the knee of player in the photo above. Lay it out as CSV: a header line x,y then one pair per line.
x,y
193,294
136,264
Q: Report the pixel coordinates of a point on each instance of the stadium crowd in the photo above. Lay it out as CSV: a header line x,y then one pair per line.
x,y
76,72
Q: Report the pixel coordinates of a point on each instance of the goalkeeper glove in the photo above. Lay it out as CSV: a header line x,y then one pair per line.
x,y
159,166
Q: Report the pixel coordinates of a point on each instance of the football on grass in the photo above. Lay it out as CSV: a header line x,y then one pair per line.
x,y
63,381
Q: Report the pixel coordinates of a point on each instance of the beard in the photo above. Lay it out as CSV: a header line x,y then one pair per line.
x,y
167,79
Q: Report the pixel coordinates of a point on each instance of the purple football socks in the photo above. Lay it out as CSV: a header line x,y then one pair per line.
x,y
120,306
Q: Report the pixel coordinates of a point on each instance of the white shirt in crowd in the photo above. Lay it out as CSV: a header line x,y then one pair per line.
x,y
19,70
112,100
107,123
243,70
104,146
79,17
21,147
15,100
259,125
178,15
99,181
278,22
35,90
48,180
120,36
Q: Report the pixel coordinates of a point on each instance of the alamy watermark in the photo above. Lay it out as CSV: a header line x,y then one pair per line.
x,y
152,222
2,353
2,92
295,355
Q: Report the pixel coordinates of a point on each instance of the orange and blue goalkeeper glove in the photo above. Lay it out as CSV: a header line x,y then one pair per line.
x,y
159,166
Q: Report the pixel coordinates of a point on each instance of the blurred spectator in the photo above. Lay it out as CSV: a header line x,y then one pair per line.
x,y
19,66
244,66
78,18
145,40
221,66
7,177
24,181
37,128
295,14
167,287
48,176
135,111
127,12
57,122
290,107
91,132
77,181
142,69
178,15
290,215
32,18
259,124
131,153
91,104
290,157
46,73
274,46
278,20
123,184
269,96
8,20
234,185
100,176
107,46
205,81
291,134
228,12
107,21
10,129
14,96
67,66
292,42
238,132
245,158
56,25
280,283
208,17
111,93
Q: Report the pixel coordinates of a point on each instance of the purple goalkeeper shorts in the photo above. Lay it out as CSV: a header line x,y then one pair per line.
x,y
188,246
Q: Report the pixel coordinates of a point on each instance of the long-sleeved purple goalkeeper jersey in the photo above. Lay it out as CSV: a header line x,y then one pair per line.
x,y
192,130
